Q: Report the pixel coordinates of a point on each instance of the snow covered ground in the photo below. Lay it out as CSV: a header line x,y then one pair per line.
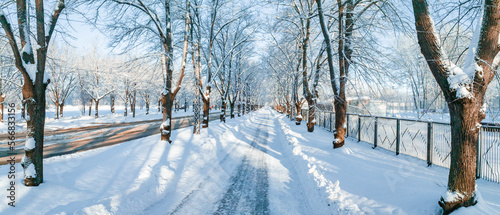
x,y
260,162
74,118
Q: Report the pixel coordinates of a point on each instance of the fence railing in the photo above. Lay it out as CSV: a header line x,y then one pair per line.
x,y
430,141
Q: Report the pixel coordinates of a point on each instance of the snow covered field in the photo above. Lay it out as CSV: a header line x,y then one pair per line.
x,y
74,118
260,162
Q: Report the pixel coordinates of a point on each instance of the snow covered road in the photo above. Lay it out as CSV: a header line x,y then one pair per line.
x,y
72,140
253,181
260,163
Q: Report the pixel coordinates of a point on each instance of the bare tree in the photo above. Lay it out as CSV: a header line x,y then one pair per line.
x,y
464,89
63,78
35,79
196,60
97,78
150,25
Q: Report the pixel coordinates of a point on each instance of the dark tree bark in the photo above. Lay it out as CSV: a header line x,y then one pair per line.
x,y
112,103
331,69
133,103
159,105
345,28
56,104
168,96
223,110
344,49
231,106
206,107
96,109
90,107
466,99
61,109
33,90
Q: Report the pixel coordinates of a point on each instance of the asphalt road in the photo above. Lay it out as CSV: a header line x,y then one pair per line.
x,y
68,141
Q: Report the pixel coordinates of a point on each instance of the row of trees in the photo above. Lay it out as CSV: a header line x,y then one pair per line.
x,y
200,46
370,45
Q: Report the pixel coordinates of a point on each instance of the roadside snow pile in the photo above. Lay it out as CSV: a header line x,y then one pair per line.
x,y
357,179
30,144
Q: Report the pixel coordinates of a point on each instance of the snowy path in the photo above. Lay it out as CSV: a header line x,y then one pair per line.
x,y
260,163
249,187
253,182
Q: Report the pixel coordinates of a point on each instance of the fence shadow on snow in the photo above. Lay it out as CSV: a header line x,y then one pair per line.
x,y
426,140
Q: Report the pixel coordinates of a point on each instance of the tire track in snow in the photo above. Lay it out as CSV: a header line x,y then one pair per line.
x,y
247,193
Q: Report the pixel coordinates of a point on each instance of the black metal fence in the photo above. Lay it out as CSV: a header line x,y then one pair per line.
x,y
430,141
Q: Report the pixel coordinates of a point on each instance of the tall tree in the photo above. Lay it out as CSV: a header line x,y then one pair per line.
x,y
155,22
196,60
349,15
464,89
35,79
63,78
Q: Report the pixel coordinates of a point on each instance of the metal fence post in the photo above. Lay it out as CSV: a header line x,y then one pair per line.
x,y
398,136
478,149
347,125
430,143
359,128
375,135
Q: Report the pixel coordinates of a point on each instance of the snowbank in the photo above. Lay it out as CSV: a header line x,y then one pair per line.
x,y
357,179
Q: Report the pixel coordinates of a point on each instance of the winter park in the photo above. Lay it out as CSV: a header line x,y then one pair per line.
x,y
250,107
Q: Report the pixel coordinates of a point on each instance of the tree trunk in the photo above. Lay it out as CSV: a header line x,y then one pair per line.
x,y
206,108
90,108
34,133
223,111
197,82
465,100
126,107
147,107
239,106
133,104
311,121
112,102
159,105
298,118
83,103
185,104
61,108
196,110
463,158
96,109
231,106
56,104
340,121
2,98
345,53
166,128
